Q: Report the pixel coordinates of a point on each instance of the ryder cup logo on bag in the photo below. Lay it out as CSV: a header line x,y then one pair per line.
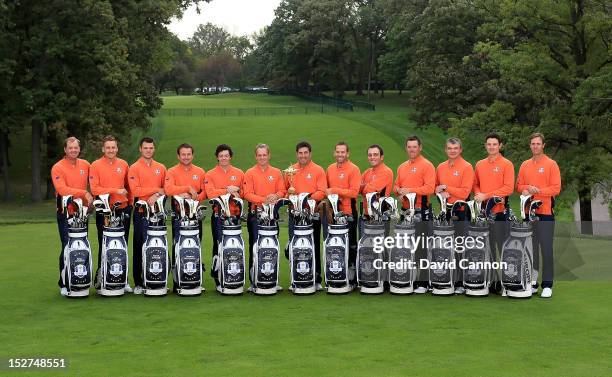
x,y
116,269
233,269
155,268
80,270
190,268
267,269
302,268
335,267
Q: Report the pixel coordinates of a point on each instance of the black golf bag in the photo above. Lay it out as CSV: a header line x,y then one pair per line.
x,y
187,270
441,259
335,259
517,274
155,261
477,273
302,260
78,264
114,267
266,259
402,276
231,263
369,278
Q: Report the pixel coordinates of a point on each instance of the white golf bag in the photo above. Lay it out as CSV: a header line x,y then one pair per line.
x,y
77,274
336,249
518,275
114,267
402,258
266,250
381,210
155,260
301,249
229,264
187,271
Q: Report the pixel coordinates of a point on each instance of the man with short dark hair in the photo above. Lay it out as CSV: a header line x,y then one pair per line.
x,y
146,178
187,180
344,179
69,176
417,175
108,175
540,177
222,179
310,178
494,176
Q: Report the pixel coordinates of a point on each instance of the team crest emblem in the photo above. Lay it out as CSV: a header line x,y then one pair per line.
x,y
456,173
157,172
309,176
496,169
413,170
341,176
194,177
119,170
82,172
541,170
270,178
233,178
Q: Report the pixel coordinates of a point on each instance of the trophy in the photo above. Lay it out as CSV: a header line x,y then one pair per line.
x,y
290,172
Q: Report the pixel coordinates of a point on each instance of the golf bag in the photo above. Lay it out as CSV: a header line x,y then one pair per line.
x,y
113,273
402,276
229,265
477,276
518,275
301,249
155,259
381,210
336,248
77,273
187,270
266,250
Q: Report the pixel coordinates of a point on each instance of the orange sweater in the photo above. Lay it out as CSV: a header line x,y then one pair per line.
x,y
546,176
179,179
458,178
494,178
310,178
108,177
145,180
344,181
217,180
69,179
419,176
377,179
260,183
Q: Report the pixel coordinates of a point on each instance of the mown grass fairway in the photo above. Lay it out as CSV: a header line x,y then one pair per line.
x,y
350,335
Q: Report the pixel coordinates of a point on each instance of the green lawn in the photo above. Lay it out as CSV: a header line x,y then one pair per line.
x,y
286,335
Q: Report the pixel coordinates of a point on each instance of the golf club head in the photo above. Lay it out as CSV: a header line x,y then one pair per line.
x,y
303,201
79,204
392,207
293,199
160,204
525,207
105,198
442,201
333,200
411,197
66,200
371,198
277,206
312,204
488,208
225,204
263,212
472,208
180,203
455,206
535,204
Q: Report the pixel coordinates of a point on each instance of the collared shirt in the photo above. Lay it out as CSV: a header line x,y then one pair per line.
x,y
543,174
344,181
259,183
69,178
458,176
146,179
494,178
310,178
418,176
180,179
376,179
108,177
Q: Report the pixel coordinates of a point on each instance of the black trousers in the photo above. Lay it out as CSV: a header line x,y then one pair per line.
x,y
139,235
543,243
316,225
62,227
100,227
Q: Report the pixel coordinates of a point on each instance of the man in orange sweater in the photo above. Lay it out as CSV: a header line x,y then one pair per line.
x,y
417,175
494,176
146,179
540,176
263,184
309,178
344,179
69,177
220,180
108,175
187,180
378,177
455,179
